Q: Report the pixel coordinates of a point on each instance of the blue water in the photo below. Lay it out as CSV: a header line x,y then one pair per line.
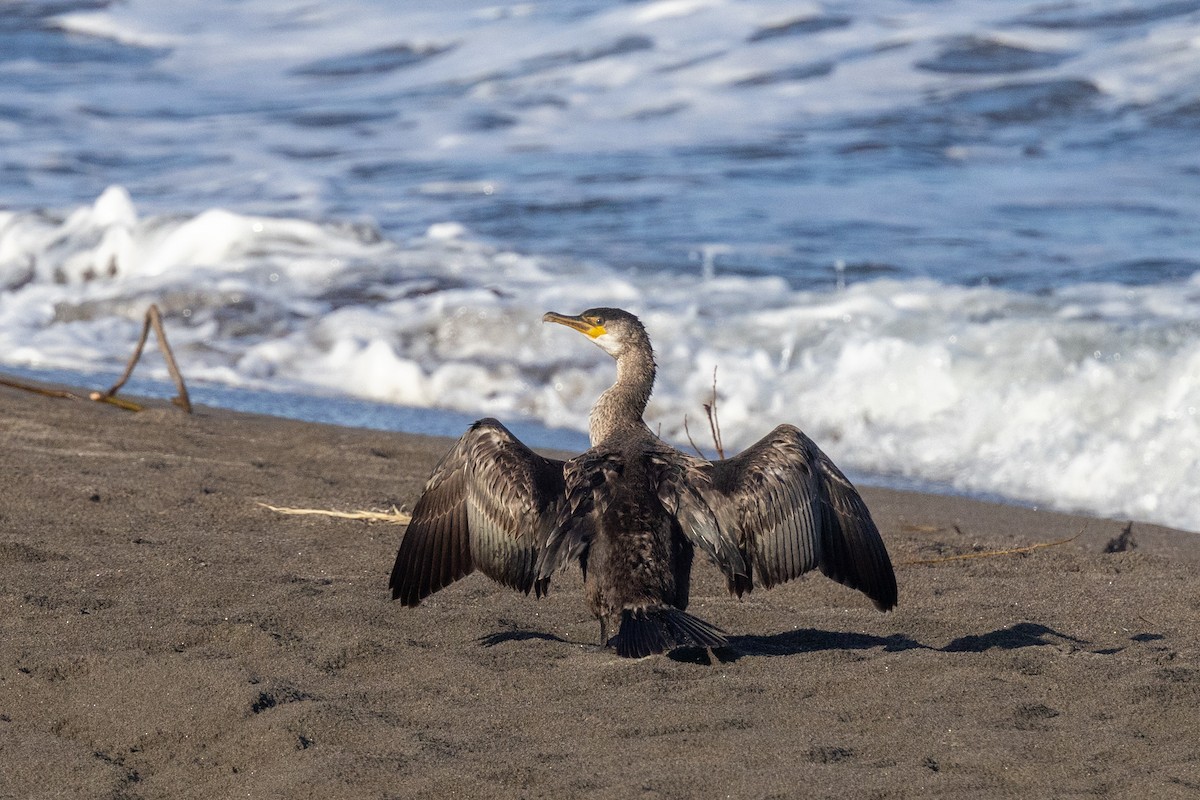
x,y
1018,144
957,242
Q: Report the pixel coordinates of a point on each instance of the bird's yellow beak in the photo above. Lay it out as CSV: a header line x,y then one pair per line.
x,y
581,324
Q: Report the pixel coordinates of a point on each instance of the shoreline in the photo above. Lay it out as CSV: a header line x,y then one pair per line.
x,y
164,636
371,415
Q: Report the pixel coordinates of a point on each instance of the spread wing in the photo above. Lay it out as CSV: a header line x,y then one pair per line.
x,y
776,511
489,505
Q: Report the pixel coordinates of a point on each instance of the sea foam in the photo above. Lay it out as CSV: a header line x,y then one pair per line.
x,y
1082,398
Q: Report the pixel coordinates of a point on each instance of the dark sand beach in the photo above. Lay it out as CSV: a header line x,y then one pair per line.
x,y
162,635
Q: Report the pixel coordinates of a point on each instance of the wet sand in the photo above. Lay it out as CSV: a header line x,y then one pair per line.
x,y
164,636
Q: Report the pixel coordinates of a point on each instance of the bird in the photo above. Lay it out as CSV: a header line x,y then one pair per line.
x,y
632,510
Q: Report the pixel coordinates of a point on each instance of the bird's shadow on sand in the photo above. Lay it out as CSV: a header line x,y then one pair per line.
x,y
814,640
1023,634
810,640
500,637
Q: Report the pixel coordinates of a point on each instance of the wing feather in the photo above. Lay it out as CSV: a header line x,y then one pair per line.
x,y
854,553
785,509
684,487
489,505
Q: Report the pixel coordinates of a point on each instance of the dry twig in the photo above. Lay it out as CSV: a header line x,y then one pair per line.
x,y
29,387
153,319
119,402
691,441
714,426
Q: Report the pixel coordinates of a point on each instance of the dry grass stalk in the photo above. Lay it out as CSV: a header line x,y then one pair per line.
x,y
1014,551
395,516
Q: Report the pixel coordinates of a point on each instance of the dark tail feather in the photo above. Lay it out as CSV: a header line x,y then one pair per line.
x,y
655,630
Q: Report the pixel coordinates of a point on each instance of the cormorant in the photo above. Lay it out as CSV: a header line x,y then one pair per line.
x,y
631,510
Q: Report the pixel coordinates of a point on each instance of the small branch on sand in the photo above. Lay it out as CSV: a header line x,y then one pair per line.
x,y
1122,542
153,319
395,516
128,405
994,553
28,387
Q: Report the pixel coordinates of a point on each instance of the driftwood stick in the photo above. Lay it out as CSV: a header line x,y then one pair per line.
x,y
153,319
119,402
27,387
62,393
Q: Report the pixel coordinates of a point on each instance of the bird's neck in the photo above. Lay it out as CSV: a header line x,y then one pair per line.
x,y
622,404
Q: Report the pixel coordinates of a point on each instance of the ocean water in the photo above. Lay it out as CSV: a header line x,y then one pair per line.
x,y
958,243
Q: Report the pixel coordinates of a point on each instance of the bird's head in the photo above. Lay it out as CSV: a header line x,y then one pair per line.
x,y
614,331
